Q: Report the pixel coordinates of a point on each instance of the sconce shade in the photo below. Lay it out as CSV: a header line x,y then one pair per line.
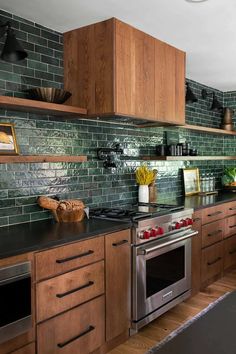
x,y
216,105
12,50
190,97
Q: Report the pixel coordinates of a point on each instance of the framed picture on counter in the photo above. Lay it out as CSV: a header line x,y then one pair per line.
x,y
191,181
8,144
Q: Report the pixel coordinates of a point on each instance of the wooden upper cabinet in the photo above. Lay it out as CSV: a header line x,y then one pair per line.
x,y
112,68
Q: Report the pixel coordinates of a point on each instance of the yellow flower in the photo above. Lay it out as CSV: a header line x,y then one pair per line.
x,y
145,176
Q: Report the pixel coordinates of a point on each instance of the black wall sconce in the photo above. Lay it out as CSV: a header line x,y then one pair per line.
x,y
190,96
12,50
108,155
216,106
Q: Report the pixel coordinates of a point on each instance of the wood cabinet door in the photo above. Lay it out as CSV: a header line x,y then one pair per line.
x,y
134,72
68,290
28,349
230,208
169,83
78,331
213,213
212,262
230,252
118,282
196,253
213,232
230,226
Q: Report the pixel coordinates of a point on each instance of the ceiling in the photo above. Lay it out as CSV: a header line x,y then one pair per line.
x,y
206,31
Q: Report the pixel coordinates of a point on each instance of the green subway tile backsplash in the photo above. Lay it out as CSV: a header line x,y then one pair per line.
x,y
20,184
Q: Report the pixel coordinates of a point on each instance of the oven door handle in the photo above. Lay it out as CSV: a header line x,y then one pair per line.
x,y
145,251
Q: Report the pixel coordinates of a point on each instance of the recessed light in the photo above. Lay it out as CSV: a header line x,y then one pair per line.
x,y
196,1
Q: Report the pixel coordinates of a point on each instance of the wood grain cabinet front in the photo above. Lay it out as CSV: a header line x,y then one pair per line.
x,y
213,232
213,213
28,349
230,252
118,283
65,258
65,291
230,226
114,69
212,262
78,331
230,208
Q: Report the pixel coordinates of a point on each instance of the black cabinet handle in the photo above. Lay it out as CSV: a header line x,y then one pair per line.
x,y
233,251
87,285
216,213
89,329
215,233
232,226
215,261
74,257
120,243
232,208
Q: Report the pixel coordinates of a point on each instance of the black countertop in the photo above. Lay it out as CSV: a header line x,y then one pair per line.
x,y
39,235
199,202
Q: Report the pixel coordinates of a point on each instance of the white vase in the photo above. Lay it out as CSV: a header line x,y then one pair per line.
x,y
143,194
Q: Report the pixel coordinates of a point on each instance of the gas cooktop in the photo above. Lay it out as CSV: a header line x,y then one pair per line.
x,y
134,212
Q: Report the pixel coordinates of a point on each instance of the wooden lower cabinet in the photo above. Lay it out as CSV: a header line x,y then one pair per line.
x,y
78,331
28,349
229,252
68,290
213,232
211,262
118,283
196,253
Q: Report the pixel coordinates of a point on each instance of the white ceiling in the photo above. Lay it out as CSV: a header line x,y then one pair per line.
x,y
206,31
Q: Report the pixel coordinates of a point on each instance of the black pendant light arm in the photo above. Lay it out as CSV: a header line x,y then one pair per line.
x,y
4,28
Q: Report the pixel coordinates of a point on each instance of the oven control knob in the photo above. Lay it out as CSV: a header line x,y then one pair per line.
x,y
177,225
160,231
189,221
146,234
153,232
184,222
140,234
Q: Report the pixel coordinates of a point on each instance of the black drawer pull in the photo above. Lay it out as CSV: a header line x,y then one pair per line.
x,y
120,243
197,219
89,329
216,213
215,261
232,208
90,283
215,233
233,251
74,257
232,226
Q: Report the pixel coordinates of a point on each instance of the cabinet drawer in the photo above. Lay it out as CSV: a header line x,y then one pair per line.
x,y
230,208
28,349
212,261
78,331
68,290
212,233
229,252
213,213
65,258
230,226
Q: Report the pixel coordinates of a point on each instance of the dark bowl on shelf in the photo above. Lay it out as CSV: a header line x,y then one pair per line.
x,y
48,94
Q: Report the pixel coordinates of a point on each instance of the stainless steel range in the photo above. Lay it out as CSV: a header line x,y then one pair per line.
x,y
161,257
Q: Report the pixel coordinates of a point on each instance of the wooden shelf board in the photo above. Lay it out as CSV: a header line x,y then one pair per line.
x,y
40,158
187,158
40,107
208,129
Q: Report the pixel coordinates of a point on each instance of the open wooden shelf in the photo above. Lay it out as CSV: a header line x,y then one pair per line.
x,y
40,107
41,158
187,158
208,130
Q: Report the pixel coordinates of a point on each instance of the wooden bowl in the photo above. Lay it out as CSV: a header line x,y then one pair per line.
x,y
48,94
68,215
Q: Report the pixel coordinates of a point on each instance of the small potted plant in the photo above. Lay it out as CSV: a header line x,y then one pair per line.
x,y
144,178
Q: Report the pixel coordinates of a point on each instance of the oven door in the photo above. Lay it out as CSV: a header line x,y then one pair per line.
x,y
161,272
